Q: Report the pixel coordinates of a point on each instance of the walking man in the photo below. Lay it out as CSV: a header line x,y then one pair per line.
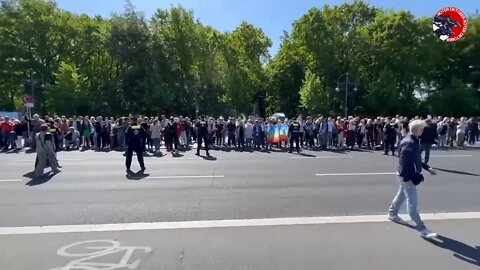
x,y
45,152
409,175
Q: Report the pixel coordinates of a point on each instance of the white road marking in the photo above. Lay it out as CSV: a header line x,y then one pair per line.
x,y
355,174
184,176
59,159
224,223
448,156
11,180
99,249
322,157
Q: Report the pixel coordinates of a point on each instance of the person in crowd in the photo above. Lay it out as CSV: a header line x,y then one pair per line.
x,y
390,130
309,130
340,133
56,133
461,131
183,133
241,135
219,129
361,130
257,135
174,133
249,133
409,175
301,134
167,135
86,133
472,131
428,138
72,139
452,131
144,122
7,126
155,134
211,132
351,132
370,131
231,128
17,134
442,129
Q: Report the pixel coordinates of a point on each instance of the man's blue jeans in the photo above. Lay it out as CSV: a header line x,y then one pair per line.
x,y
408,191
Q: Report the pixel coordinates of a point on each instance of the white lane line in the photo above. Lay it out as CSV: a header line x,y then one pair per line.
x,y
447,156
322,157
60,159
184,176
224,223
355,174
11,180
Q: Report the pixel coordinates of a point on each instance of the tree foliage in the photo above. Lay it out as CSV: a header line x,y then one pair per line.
x,y
172,63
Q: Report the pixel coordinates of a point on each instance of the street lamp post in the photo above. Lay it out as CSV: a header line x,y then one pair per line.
x,y
347,84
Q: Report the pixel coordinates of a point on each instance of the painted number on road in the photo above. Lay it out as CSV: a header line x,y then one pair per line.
x,y
88,253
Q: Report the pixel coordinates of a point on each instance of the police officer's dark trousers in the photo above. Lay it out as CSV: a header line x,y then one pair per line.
x,y
201,138
390,145
295,138
139,151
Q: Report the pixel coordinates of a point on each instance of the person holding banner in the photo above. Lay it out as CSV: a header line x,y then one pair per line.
x,y
294,131
271,131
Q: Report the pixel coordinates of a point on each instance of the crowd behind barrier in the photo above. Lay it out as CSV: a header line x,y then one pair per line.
x,y
109,133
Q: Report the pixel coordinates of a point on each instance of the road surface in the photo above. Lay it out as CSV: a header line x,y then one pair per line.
x,y
238,210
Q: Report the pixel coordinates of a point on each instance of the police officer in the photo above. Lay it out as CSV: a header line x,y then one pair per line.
x,y
135,139
390,130
202,135
294,130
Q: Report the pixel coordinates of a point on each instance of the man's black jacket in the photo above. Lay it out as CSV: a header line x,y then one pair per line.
x,y
410,158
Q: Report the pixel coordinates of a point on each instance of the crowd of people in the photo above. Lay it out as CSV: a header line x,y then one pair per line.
x,y
176,133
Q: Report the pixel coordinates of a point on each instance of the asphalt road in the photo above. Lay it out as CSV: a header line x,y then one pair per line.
x,y
94,190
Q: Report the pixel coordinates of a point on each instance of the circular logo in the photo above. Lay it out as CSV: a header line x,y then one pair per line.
x,y
450,24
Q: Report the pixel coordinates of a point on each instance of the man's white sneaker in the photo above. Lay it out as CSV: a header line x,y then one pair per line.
x,y
397,219
426,233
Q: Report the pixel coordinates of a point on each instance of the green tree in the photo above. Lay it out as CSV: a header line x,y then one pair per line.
x,y
383,95
314,95
68,95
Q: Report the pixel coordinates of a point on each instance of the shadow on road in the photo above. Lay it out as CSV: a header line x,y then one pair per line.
x,y
39,180
209,158
456,148
457,172
460,250
304,155
137,176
